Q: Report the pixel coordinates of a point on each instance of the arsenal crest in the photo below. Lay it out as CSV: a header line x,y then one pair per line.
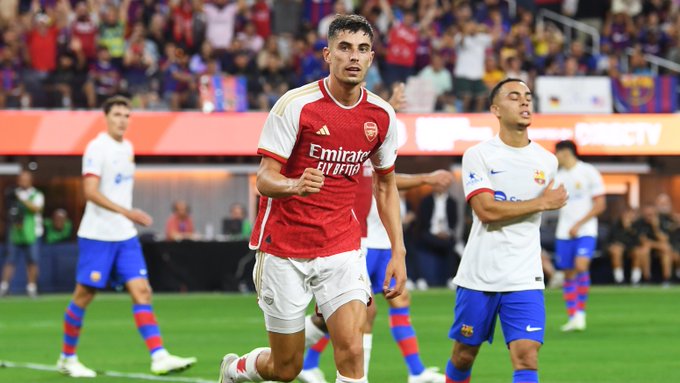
x,y
371,131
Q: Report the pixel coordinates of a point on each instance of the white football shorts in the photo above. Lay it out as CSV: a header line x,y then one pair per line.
x,y
286,286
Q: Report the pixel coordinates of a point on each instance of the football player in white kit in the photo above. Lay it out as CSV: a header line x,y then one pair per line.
x,y
508,181
110,252
576,234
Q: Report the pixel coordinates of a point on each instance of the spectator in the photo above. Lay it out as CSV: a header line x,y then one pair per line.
x,y
653,241
437,220
69,78
59,228
493,74
140,63
339,8
275,82
84,30
220,18
618,30
624,241
112,32
242,227
26,230
249,38
41,42
402,43
178,82
440,79
471,45
182,16
11,85
199,61
260,14
103,79
179,225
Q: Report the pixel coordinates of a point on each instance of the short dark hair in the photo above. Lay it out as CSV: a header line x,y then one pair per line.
x,y
498,86
567,145
351,23
115,100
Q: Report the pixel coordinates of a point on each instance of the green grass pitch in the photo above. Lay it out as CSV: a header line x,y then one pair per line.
x,y
633,336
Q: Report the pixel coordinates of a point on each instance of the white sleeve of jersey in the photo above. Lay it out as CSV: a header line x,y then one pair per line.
x,y
93,159
386,155
475,175
280,131
596,183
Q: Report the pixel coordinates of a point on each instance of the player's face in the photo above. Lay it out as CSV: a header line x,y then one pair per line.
x,y
117,121
513,105
349,56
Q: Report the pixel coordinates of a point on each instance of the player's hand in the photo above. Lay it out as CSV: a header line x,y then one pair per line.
x,y
396,269
398,99
439,178
556,198
139,217
573,232
310,182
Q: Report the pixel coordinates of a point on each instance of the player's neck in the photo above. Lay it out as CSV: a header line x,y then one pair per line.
x,y
517,138
115,137
570,163
346,94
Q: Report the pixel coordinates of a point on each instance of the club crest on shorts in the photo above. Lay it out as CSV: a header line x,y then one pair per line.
x,y
268,300
539,177
371,130
95,276
467,331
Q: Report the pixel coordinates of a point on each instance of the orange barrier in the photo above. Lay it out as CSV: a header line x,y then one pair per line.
x,y
194,133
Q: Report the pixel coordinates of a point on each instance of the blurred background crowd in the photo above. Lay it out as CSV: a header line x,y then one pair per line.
x,y
72,54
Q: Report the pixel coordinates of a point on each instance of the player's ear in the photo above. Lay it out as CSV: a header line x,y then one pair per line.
x,y
327,55
495,110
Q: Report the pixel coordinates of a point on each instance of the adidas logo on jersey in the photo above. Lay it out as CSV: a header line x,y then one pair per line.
x,y
323,131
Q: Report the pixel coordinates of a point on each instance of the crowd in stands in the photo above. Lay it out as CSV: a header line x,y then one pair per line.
x,y
75,53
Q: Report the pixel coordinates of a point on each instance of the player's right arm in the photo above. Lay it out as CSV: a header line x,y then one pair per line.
x,y
271,183
92,194
479,191
489,210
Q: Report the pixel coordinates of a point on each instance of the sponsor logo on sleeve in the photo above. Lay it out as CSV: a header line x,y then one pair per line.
x,y
473,179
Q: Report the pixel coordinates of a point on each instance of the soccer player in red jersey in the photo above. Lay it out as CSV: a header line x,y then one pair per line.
x,y
307,235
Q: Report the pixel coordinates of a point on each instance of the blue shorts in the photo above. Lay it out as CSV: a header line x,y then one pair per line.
x,y
522,315
104,262
30,252
566,251
376,263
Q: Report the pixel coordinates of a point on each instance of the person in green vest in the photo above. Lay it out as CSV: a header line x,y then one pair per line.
x,y
25,232
58,228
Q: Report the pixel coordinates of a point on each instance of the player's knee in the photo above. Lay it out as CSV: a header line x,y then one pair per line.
x,y
526,360
349,350
464,359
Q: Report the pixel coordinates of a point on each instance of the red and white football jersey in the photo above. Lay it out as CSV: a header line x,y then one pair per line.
x,y
308,128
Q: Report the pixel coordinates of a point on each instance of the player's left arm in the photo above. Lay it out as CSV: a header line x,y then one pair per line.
x,y
387,201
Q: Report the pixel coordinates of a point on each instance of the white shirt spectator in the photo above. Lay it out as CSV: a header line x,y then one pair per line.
x,y
471,51
220,24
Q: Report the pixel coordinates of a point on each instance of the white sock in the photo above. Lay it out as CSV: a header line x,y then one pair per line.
x,y
368,345
31,287
4,286
313,334
342,379
636,275
249,374
160,353
618,275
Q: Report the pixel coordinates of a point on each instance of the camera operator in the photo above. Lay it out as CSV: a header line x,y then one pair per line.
x,y
25,207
